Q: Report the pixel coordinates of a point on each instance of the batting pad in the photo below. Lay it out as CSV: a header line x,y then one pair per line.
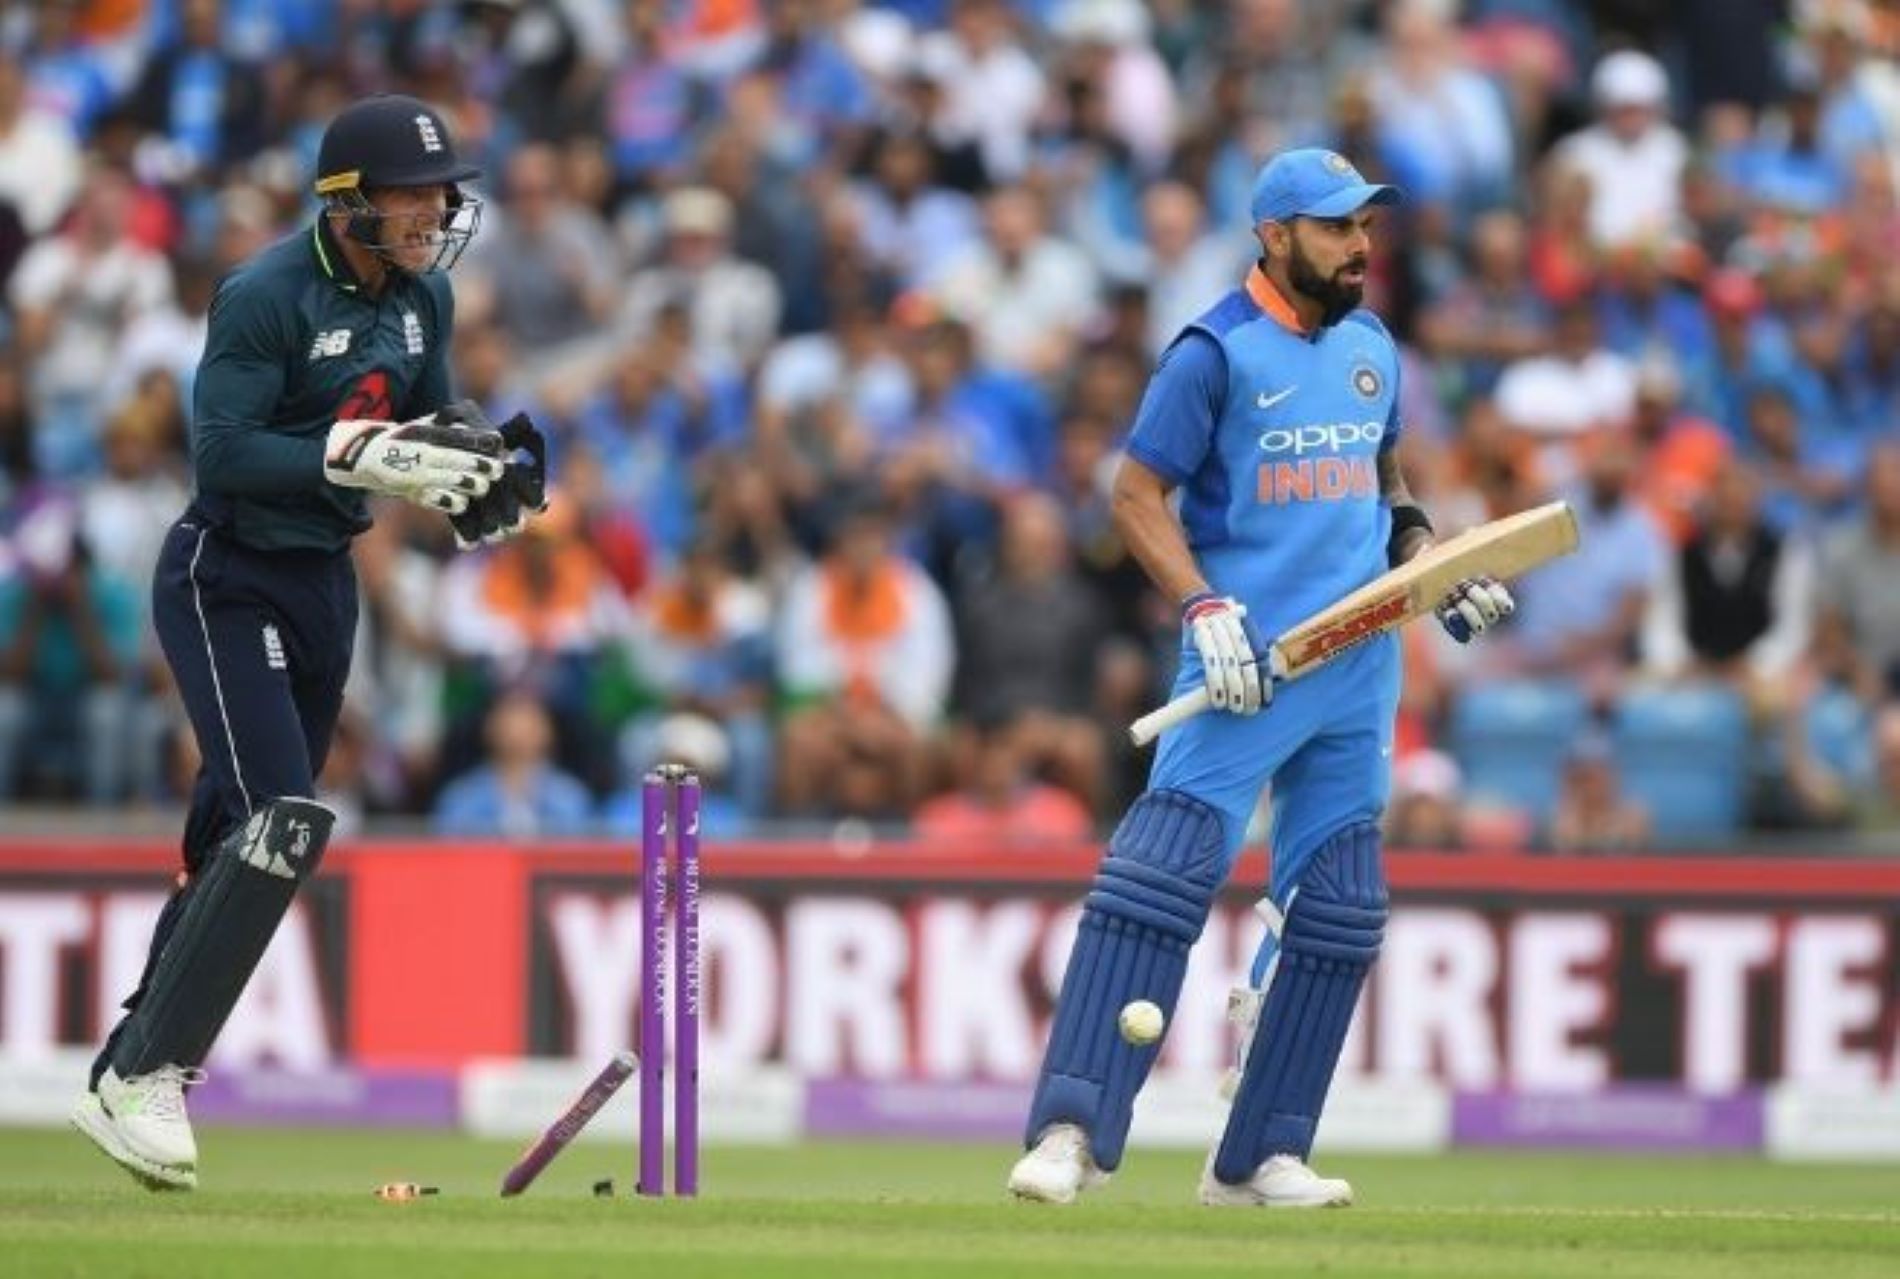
x,y
1146,909
1332,936
232,913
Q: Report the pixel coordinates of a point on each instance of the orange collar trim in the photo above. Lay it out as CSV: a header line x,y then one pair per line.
x,y
1271,301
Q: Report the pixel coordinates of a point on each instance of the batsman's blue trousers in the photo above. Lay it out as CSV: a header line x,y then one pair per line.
x,y
1325,743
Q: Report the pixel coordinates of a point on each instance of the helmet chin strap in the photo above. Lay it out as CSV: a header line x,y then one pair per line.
x,y
364,226
358,236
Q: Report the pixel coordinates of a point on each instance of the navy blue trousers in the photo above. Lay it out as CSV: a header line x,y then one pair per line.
x,y
260,645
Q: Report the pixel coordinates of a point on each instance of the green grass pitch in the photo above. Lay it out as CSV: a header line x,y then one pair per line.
x,y
283,1205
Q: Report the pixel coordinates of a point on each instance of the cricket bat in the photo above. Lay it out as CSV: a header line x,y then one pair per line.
x,y
1502,549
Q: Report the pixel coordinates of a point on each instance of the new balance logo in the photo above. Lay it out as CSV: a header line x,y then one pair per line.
x,y
1265,401
334,342
425,129
274,649
411,333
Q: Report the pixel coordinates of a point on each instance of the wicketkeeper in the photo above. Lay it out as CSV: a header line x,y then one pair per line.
x,y
324,379
1276,416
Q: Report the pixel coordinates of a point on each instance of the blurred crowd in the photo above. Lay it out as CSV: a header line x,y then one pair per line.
x,y
837,314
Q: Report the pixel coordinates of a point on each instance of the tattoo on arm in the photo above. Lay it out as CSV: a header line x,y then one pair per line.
x,y
1392,480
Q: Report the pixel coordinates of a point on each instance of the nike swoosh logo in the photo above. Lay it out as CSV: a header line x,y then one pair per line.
x,y
1265,401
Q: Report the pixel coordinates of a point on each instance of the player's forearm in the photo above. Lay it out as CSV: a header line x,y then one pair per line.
x,y
1153,533
1410,544
241,462
1406,542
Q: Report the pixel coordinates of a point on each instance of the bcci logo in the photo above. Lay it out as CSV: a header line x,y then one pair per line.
x,y
1367,382
1339,164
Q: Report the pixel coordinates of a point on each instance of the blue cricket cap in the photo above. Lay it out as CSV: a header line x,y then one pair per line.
x,y
1313,182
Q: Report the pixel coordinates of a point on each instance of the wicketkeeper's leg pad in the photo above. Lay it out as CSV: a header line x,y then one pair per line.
x,y
229,917
1146,909
1332,936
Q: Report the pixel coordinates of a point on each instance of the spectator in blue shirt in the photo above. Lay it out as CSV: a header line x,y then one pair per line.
x,y
66,75
701,744
70,634
1851,122
1579,616
820,91
648,426
1749,348
1870,391
518,793
1786,166
650,104
1807,472
205,103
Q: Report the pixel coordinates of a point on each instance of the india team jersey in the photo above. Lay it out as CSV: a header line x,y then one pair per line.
x,y
1273,436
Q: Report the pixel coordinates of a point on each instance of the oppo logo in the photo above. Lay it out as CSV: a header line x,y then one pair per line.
x,y
1330,437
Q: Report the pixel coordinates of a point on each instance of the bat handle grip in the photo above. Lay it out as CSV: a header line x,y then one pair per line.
x,y
1160,720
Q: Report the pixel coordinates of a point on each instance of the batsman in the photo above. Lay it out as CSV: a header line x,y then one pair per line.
x,y
324,380
1275,414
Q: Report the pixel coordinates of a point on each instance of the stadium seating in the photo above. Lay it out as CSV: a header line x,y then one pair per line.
x,y
1683,754
1511,739
1839,733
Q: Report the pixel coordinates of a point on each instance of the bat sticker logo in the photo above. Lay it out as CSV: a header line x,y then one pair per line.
x,y
1348,631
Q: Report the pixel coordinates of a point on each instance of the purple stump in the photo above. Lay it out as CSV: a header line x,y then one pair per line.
x,y
568,1126
687,992
653,987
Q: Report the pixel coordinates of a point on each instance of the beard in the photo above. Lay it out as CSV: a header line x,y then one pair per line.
x,y
1337,298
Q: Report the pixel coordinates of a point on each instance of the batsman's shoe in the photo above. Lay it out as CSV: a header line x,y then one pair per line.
x,y
141,1125
1281,1182
1057,1169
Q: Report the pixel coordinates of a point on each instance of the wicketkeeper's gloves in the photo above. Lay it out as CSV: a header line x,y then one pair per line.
x,y
521,491
432,464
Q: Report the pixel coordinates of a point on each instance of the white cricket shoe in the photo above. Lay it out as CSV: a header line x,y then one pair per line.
x,y
141,1125
1057,1168
1284,1181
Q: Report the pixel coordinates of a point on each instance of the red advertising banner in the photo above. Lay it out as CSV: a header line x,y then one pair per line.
x,y
939,962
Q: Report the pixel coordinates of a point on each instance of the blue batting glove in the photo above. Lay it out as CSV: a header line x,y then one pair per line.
x,y
1231,649
1474,607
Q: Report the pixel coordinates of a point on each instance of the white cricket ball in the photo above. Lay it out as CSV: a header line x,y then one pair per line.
x,y
1141,1022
